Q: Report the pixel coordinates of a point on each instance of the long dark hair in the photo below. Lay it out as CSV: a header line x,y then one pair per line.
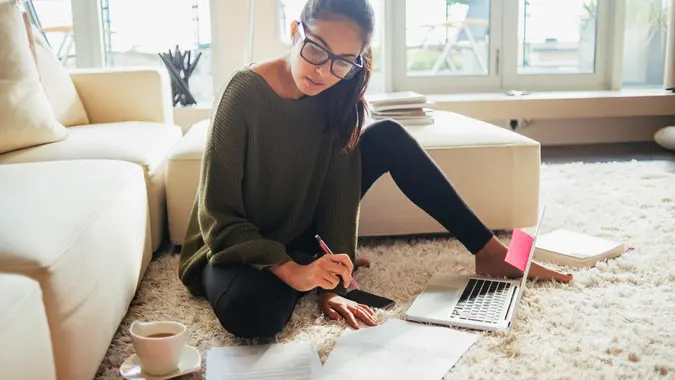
x,y
345,102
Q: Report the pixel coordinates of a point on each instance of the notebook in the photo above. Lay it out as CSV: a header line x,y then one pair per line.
x,y
575,249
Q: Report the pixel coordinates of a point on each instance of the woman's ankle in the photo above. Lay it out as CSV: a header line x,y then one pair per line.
x,y
493,247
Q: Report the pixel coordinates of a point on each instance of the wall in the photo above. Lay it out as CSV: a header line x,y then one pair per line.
x,y
569,118
231,53
593,131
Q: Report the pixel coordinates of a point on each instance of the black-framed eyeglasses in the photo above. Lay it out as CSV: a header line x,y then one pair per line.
x,y
317,55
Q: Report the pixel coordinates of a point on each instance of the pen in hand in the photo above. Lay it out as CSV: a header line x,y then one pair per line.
x,y
327,250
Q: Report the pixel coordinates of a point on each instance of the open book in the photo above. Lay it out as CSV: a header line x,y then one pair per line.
x,y
575,249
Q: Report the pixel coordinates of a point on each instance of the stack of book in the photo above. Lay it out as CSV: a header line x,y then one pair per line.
x,y
408,108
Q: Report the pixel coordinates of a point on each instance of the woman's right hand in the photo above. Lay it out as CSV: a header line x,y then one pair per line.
x,y
321,272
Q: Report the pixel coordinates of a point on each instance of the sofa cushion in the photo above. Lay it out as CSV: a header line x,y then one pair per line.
x,y
26,118
145,143
81,229
59,88
26,349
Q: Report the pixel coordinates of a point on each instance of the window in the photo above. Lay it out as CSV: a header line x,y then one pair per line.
x,y
446,39
124,33
556,45
556,39
132,38
463,46
490,45
429,46
445,44
56,20
644,47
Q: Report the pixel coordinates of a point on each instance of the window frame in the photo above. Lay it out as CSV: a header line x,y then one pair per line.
x,y
88,33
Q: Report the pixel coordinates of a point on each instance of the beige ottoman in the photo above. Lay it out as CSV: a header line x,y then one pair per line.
x,y
183,170
25,344
495,170
81,229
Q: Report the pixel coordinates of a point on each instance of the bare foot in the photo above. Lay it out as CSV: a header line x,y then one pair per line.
x,y
490,261
543,273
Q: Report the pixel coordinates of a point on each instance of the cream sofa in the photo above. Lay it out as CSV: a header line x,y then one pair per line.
x,y
25,343
494,169
82,216
130,119
81,230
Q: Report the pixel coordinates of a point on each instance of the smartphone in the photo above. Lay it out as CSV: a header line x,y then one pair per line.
x,y
369,299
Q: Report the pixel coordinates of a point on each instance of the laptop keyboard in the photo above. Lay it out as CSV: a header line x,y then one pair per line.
x,y
482,301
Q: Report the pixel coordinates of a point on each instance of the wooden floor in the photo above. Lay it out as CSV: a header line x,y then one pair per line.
x,y
610,152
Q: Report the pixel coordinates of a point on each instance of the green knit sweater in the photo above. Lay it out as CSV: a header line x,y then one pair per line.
x,y
271,171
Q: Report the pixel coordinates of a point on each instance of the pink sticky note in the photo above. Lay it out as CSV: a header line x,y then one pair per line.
x,y
519,249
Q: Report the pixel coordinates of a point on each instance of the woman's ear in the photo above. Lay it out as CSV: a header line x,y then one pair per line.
x,y
294,30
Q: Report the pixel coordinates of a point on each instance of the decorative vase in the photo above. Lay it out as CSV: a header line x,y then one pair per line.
x,y
181,65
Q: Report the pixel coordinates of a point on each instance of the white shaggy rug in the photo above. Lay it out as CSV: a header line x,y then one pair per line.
x,y
614,321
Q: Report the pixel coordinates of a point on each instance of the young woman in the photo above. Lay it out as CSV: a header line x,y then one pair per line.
x,y
288,157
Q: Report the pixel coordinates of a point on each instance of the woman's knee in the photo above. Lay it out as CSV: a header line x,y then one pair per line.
x,y
250,318
389,132
255,307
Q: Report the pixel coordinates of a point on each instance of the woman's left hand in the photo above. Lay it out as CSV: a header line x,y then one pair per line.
x,y
337,307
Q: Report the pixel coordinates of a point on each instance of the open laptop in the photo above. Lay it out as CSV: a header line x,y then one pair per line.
x,y
469,301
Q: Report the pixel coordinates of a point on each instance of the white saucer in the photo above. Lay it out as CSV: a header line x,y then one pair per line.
x,y
190,361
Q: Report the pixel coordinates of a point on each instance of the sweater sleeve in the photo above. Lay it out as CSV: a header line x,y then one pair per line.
x,y
338,209
231,238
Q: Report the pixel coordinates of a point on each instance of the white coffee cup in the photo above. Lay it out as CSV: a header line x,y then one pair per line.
x,y
158,345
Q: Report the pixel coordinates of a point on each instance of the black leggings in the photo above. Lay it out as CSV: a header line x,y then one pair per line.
x,y
255,304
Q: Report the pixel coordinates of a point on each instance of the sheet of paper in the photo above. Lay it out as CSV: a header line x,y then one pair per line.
x,y
397,349
288,361
519,249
